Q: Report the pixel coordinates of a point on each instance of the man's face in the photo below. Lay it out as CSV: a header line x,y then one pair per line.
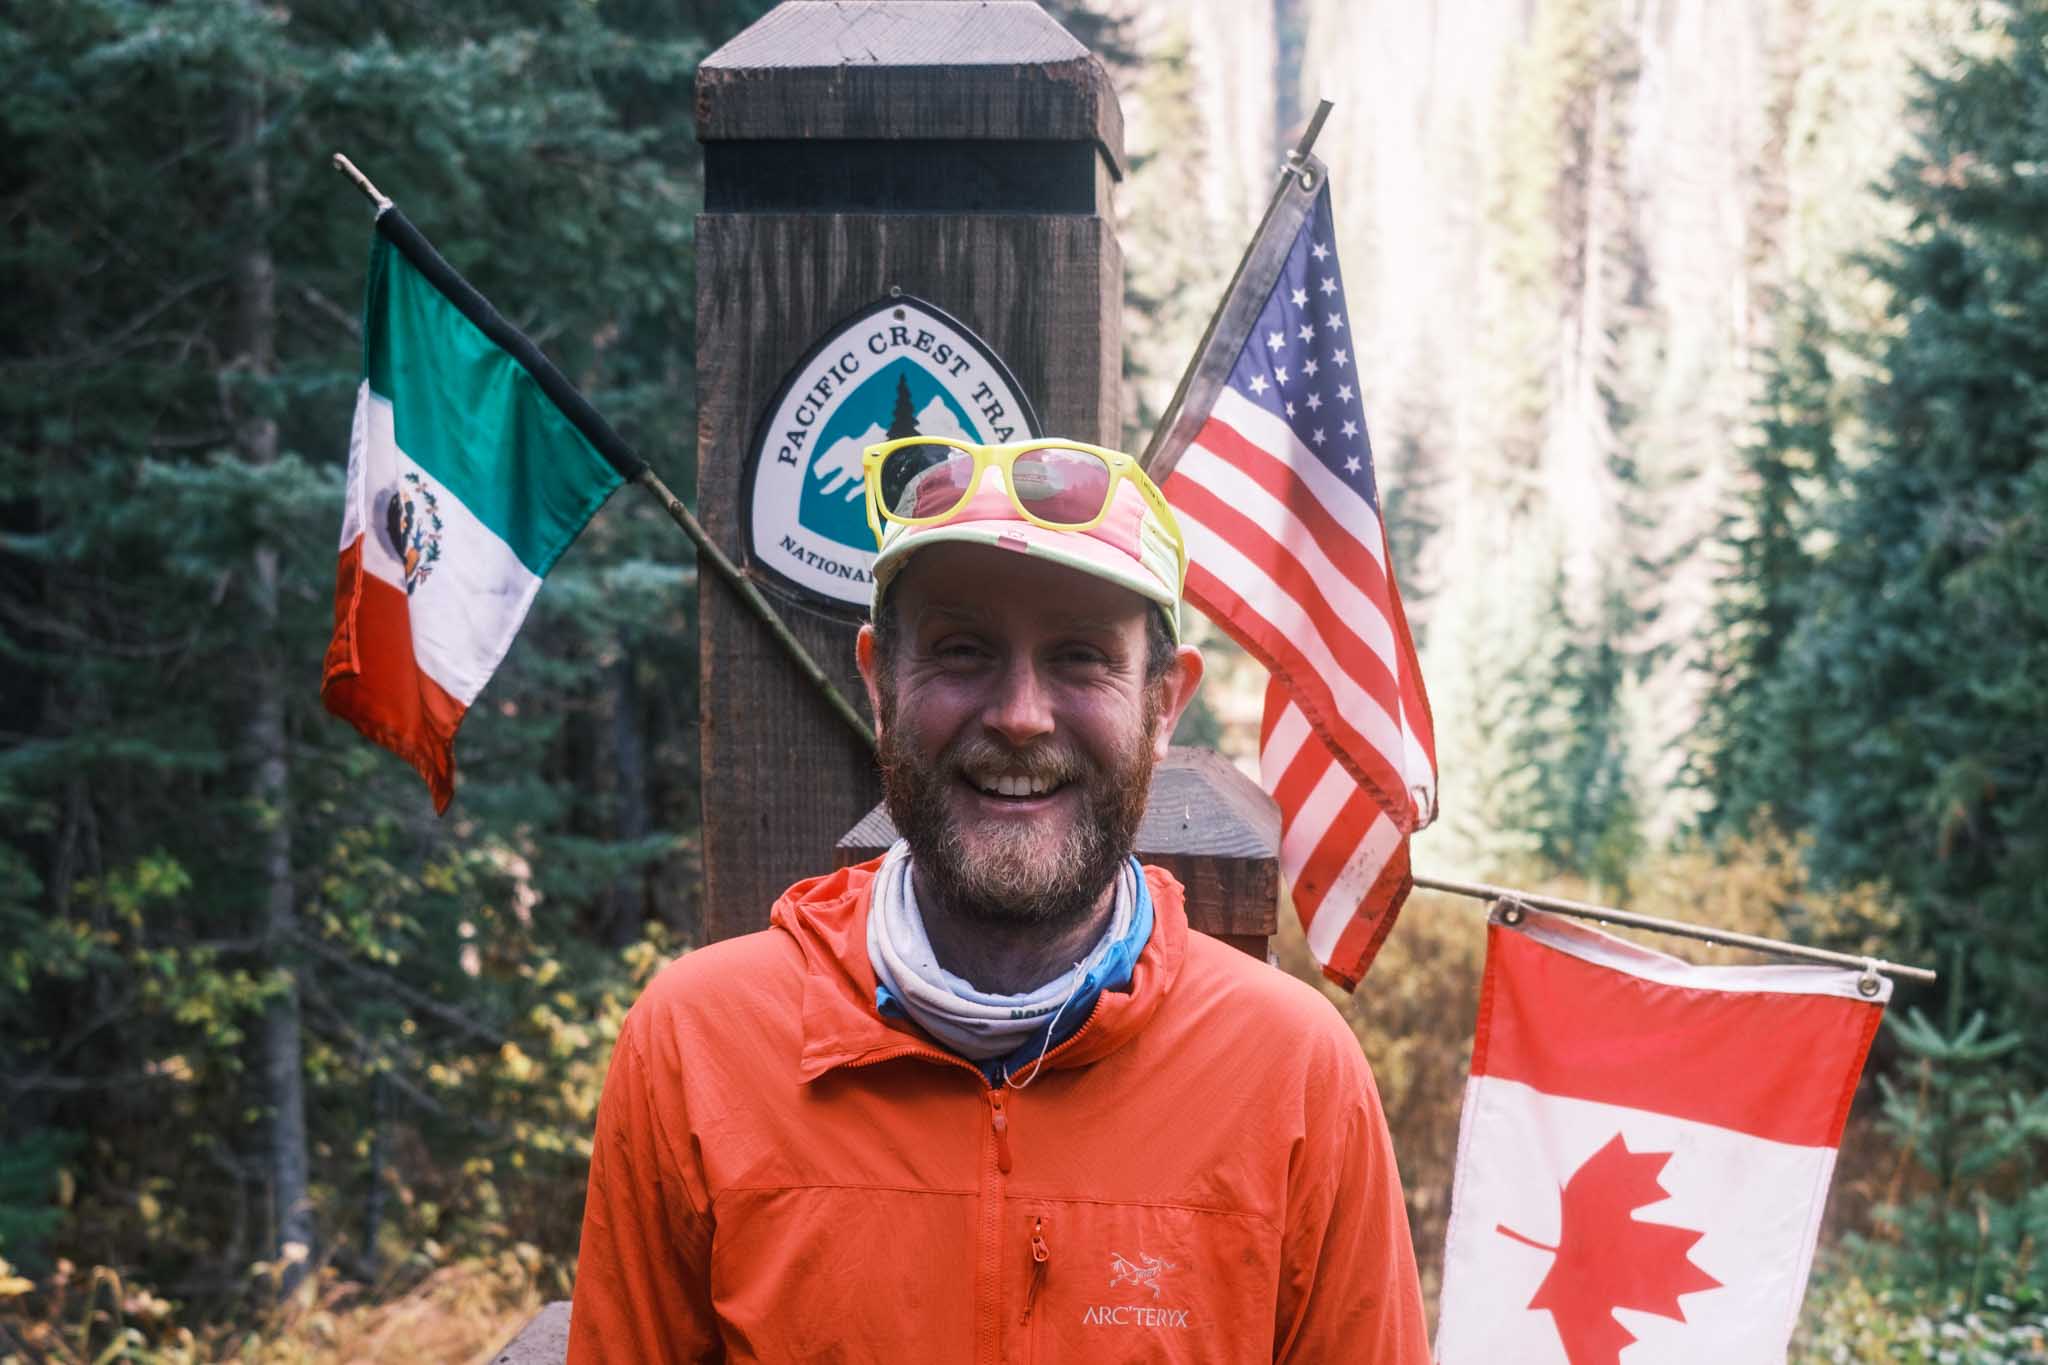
x,y
1018,728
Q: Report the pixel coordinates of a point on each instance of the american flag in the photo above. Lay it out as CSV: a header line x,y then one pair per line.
x,y
1288,553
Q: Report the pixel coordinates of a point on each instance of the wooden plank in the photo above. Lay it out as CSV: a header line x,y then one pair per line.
x,y
1205,822
899,33
783,777
896,69
543,1341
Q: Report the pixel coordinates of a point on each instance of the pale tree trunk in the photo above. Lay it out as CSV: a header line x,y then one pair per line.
x,y
626,899
256,435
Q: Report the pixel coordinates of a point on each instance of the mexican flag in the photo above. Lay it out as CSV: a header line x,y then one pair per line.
x,y
1645,1150
465,484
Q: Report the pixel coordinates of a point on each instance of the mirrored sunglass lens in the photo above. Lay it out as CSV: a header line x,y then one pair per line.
x,y
1061,485
925,480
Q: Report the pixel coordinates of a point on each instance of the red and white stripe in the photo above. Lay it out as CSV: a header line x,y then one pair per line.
x,y
1293,564
1344,858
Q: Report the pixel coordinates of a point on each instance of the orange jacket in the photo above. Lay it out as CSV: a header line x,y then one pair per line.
x,y
1200,1173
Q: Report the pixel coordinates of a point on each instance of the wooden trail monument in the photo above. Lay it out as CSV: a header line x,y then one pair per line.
x,y
907,227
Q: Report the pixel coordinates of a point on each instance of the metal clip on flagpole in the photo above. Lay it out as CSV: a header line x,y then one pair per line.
x,y
397,229
1297,165
1515,905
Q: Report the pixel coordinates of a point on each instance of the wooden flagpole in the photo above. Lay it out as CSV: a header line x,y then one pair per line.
x,y
397,229
1296,166
1728,937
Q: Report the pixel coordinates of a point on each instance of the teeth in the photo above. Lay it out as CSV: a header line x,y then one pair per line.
x,y
1010,785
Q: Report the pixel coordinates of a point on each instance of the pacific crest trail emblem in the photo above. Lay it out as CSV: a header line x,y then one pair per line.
x,y
898,367
412,525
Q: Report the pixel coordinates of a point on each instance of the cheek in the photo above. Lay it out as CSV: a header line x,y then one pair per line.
x,y
928,713
1110,732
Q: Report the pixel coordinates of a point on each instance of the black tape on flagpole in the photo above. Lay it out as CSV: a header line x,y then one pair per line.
x,y
398,230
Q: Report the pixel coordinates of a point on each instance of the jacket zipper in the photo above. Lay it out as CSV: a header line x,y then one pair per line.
x,y
1000,1121
1040,1255
994,1199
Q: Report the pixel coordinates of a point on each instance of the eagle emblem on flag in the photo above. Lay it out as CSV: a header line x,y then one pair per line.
x,y
412,529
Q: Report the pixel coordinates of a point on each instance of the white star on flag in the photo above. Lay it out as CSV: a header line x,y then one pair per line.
x,y
1308,367
1350,428
1274,341
1258,384
1300,297
1315,400
1319,251
1329,285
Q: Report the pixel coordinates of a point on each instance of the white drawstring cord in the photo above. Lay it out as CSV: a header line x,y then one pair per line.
x,y
1050,1029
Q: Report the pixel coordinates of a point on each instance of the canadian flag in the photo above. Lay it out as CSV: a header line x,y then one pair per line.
x,y
1645,1150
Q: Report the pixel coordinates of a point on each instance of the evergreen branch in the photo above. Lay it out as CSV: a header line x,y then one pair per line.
x,y
411,995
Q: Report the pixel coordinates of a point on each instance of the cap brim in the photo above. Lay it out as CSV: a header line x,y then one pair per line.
x,y
1082,553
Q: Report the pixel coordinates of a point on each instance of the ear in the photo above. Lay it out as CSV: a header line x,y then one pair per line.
x,y
864,656
1180,682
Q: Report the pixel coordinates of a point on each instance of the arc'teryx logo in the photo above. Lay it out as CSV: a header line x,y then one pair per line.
x,y
1148,1273
1144,1272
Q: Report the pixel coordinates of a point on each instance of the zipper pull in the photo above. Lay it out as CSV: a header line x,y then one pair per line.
x,y
1040,1255
1001,1121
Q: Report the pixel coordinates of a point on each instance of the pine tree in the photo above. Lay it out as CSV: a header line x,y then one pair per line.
x,y
200,871
1901,722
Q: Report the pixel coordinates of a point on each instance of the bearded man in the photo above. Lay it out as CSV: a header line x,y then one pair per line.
x,y
987,1098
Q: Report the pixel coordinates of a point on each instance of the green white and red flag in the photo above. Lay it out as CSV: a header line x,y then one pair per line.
x,y
466,482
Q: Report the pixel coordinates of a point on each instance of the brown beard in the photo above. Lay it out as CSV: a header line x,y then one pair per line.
x,y
1008,879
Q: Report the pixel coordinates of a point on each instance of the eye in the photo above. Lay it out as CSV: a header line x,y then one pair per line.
x,y
959,649
1081,655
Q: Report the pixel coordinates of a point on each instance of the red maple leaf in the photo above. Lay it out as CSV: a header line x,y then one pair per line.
x,y
1608,1259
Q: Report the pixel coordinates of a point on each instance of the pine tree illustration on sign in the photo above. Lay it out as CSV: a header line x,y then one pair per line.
x,y
903,421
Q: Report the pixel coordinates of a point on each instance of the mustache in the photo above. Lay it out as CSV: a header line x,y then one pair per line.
x,y
1046,763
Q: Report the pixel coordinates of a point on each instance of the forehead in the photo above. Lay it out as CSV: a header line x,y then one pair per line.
x,y
996,587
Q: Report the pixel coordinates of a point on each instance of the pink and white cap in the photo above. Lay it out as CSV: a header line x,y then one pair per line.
x,y
1130,547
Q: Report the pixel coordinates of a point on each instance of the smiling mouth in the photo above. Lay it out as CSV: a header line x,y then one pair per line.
x,y
1014,787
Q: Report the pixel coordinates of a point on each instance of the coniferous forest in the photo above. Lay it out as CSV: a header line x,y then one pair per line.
x,y
1705,351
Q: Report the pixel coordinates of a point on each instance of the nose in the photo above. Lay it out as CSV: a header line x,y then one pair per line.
x,y
1020,707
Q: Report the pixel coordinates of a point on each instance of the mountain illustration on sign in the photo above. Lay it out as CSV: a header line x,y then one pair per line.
x,y
884,408
1609,1259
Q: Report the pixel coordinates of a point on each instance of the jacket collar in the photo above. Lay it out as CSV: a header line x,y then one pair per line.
x,y
828,918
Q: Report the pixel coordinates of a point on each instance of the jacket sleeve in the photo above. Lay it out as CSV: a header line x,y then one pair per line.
x,y
1348,1288
643,1279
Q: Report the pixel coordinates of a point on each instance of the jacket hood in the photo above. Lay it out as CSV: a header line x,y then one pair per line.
x,y
828,918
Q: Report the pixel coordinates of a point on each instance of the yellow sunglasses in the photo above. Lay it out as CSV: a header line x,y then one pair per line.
x,y
1058,484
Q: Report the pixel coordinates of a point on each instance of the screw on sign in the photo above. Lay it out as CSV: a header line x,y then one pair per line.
x,y
1608,1259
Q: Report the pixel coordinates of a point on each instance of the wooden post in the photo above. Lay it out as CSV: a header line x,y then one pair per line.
x,y
961,154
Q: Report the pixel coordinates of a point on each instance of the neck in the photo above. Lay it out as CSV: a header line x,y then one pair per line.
x,y
1003,957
